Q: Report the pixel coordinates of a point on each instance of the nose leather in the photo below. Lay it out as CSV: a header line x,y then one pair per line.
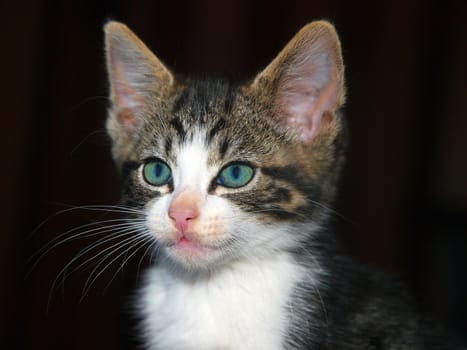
x,y
184,209
182,216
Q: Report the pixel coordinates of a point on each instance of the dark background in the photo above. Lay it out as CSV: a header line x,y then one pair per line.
x,y
404,196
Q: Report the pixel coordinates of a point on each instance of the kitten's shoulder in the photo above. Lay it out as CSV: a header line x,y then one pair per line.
x,y
374,310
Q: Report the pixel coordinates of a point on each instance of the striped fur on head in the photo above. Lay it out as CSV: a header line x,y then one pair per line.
x,y
285,123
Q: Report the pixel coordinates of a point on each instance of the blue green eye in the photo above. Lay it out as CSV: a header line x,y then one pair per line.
x,y
235,175
157,173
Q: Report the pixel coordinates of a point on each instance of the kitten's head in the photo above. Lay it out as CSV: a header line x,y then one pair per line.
x,y
228,171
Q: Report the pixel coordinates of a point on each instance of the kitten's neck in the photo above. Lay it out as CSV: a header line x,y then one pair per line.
x,y
245,293
240,266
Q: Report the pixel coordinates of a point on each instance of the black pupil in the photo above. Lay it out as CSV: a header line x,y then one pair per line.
x,y
158,170
235,172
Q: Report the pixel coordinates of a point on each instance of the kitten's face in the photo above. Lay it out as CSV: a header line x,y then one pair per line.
x,y
226,171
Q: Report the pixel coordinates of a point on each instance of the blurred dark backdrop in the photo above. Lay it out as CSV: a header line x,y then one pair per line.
x,y
404,197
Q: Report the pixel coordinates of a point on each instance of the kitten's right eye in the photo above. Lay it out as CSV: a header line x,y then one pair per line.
x,y
156,172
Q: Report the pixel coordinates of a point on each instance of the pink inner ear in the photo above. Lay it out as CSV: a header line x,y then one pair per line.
x,y
307,101
127,104
308,88
299,109
126,118
126,100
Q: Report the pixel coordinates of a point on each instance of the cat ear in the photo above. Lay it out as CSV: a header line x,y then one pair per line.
x,y
137,77
307,79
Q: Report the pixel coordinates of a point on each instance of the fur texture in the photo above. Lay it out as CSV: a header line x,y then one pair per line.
x,y
252,266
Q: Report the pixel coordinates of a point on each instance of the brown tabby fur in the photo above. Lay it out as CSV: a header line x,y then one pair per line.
x,y
297,158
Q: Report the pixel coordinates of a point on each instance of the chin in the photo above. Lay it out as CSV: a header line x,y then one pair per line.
x,y
194,257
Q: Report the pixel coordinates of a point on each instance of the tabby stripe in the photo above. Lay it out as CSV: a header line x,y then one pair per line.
x,y
224,147
267,203
177,125
180,101
281,194
219,126
168,146
270,210
128,167
288,173
293,176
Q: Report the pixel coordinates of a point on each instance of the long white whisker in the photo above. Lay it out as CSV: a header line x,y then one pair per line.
x,y
106,208
110,250
332,210
153,246
125,261
127,245
111,209
63,273
54,243
104,240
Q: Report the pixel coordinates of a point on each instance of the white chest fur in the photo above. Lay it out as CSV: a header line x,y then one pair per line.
x,y
242,307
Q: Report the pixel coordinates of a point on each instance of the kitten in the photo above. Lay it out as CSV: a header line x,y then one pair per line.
x,y
235,182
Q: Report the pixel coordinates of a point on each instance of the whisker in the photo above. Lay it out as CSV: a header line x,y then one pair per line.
x,y
332,210
153,246
317,264
106,208
59,240
88,136
113,207
116,235
127,245
144,242
89,99
154,254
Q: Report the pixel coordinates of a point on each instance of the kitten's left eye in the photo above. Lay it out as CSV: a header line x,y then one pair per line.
x,y
235,175
157,173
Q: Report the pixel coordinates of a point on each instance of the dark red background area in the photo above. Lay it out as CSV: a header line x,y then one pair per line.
x,y
404,195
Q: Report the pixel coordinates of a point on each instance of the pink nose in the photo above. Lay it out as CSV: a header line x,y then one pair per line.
x,y
182,217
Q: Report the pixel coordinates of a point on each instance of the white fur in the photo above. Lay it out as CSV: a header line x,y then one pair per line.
x,y
190,173
242,307
237,299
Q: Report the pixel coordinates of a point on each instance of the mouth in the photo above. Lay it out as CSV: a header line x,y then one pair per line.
x,y
183,246
196,255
